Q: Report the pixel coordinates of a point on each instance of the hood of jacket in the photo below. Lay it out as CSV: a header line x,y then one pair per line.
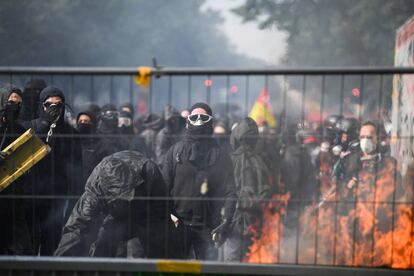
x,y
31,98
244,135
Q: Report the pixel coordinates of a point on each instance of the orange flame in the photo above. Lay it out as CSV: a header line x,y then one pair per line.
x,y
369,226
266,238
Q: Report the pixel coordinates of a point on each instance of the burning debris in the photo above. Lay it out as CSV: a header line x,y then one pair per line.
x,y
369,224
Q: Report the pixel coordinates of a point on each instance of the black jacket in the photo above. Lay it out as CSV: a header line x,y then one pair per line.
x,y
170,134
252,175
14,235
152,124
298,175
131,226
191,184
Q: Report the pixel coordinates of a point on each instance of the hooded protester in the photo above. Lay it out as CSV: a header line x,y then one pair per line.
x,y
151,125
11,104
31,93
108,120
129,108
125,125
170,134
299,175
111,138
58,174
14,235
131,227
95,110
253,186
269,148
197,171
92,152
221,134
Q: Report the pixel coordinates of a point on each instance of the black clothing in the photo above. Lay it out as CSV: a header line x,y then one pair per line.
x,y
170,134
58,174
186,178
92,154
152,123
132,227
252,178
204,106
14,233
111,140
30,96
298,176
195,170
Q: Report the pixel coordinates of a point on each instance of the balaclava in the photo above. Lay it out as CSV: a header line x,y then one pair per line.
x,y
203,131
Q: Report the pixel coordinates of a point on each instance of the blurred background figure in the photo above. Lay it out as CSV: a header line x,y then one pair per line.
x,y
171,133
31,92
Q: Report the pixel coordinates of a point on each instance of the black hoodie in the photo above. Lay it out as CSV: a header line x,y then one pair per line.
x,y
132,227
58,174
170,134
252,175
197,168
31,93
14,235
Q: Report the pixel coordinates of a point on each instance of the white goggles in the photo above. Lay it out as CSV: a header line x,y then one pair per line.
x,y
199,119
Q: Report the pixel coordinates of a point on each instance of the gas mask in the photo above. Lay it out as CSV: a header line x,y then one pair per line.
x,y
367,145
53,111
124,122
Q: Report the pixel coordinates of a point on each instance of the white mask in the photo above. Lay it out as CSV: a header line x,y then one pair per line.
x,y
367,146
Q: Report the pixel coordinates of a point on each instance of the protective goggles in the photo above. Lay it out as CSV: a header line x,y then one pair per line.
x,y
199,119
110,115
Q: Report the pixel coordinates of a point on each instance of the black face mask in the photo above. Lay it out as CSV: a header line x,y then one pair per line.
x,y
204,131
85,128
11,111
54,111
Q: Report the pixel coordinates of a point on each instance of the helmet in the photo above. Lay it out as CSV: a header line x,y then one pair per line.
x,y
331,121
306,136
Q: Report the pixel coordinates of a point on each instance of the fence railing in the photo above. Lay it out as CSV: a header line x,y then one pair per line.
x,y
309,239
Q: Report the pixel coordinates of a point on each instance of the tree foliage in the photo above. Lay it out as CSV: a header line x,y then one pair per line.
x,y
112,32
333,33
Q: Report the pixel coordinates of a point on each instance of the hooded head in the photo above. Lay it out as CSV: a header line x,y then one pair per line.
x,y
52,104
125,123
108,121
31,93
94,110
127,107
200,120
173,122
11,102
152,121
245,135
86,122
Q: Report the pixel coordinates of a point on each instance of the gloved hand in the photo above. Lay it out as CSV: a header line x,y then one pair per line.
x,y
221,233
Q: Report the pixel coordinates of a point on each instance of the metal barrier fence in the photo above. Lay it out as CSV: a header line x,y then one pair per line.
x,y
373,228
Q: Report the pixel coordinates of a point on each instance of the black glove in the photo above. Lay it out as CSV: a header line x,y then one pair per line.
x,y
221,233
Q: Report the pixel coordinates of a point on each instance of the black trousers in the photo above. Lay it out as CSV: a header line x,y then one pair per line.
x,y
195,242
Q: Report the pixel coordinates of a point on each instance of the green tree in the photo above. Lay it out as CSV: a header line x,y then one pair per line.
x,y
333,33
112,32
